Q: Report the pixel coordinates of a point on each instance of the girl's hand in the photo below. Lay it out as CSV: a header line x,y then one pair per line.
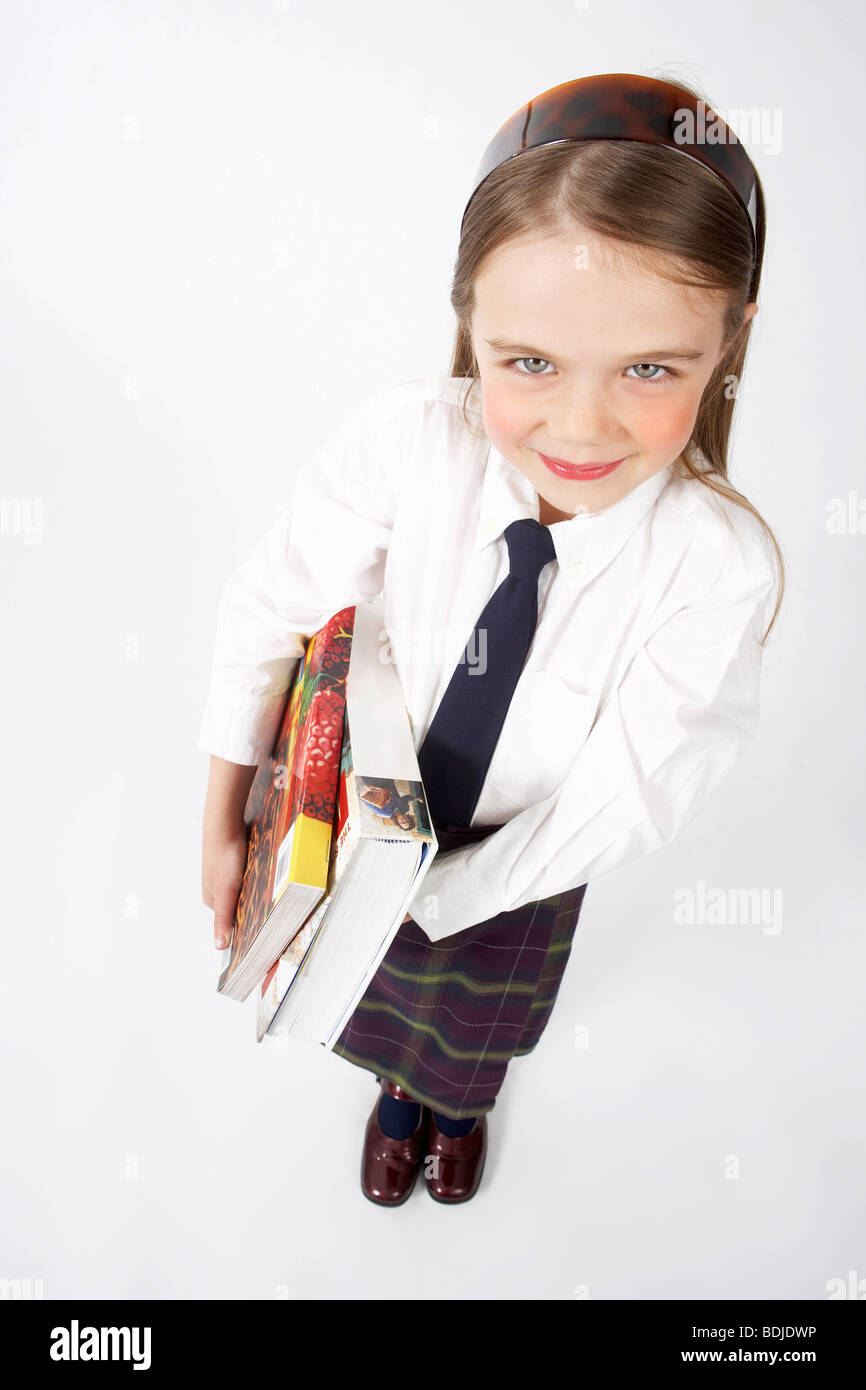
x,y
224,858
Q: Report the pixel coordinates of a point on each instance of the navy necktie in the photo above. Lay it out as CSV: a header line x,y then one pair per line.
x,y
455,755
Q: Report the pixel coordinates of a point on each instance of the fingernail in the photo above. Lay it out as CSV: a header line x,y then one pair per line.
x,y
221,941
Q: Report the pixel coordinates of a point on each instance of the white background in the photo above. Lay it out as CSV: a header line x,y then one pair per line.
x,y
222,226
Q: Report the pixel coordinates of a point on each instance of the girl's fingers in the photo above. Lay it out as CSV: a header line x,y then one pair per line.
x,y
224,916
223,863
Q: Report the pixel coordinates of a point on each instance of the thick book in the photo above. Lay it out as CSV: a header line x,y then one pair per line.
x,y
290,812
382,846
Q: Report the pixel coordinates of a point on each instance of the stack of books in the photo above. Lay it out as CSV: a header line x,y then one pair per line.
x,y
340,837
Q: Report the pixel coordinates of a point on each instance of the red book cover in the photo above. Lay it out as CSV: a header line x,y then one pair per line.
x,y
290,807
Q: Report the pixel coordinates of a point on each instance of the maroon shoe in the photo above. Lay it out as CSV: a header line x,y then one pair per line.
x,y
389,1166
459,1161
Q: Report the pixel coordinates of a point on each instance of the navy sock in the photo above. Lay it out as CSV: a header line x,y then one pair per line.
x,y
454,1128
398,1118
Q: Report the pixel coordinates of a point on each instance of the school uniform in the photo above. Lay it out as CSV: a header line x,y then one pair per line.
x,y
639,693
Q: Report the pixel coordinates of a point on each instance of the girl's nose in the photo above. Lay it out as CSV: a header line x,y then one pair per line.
x,y
580,420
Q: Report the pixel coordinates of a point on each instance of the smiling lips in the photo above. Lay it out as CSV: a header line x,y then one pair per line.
x,y
586,471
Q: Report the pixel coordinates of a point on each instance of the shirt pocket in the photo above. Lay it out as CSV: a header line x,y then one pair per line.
x,y
547,724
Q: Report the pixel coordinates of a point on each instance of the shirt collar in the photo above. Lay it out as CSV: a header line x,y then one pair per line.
x,y
585,544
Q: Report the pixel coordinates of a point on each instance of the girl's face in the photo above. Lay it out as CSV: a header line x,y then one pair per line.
x,y
589,363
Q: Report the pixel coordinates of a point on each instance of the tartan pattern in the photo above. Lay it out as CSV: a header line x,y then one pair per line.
x,y
443,1019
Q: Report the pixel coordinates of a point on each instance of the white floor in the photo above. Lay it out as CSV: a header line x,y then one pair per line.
x,y
690,1125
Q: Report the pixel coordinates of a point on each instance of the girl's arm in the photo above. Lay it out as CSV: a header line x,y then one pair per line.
x,y
224,843
325,552
227,791
682,715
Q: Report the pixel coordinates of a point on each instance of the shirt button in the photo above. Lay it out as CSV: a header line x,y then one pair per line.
x,y
578,569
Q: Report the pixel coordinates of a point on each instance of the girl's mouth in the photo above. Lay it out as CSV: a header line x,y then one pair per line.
x,y
585,471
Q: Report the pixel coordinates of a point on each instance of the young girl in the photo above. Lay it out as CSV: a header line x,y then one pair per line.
x,y
562,499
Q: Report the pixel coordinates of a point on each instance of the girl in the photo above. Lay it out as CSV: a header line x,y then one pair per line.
x,y
562,496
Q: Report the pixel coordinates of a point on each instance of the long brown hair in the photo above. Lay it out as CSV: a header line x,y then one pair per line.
x,y
643,196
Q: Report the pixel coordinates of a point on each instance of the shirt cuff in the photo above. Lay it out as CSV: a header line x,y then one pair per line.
x,y
240,729
449,899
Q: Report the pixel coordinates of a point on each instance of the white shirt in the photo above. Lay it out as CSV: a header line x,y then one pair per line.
x,y
641,687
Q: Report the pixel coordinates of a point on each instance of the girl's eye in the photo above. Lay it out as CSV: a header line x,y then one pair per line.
x,y
667,373
515,360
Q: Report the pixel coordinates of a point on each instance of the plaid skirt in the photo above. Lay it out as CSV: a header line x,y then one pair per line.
x,y
444,1018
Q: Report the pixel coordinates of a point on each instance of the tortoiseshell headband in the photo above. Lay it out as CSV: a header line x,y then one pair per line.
x,y
626,106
